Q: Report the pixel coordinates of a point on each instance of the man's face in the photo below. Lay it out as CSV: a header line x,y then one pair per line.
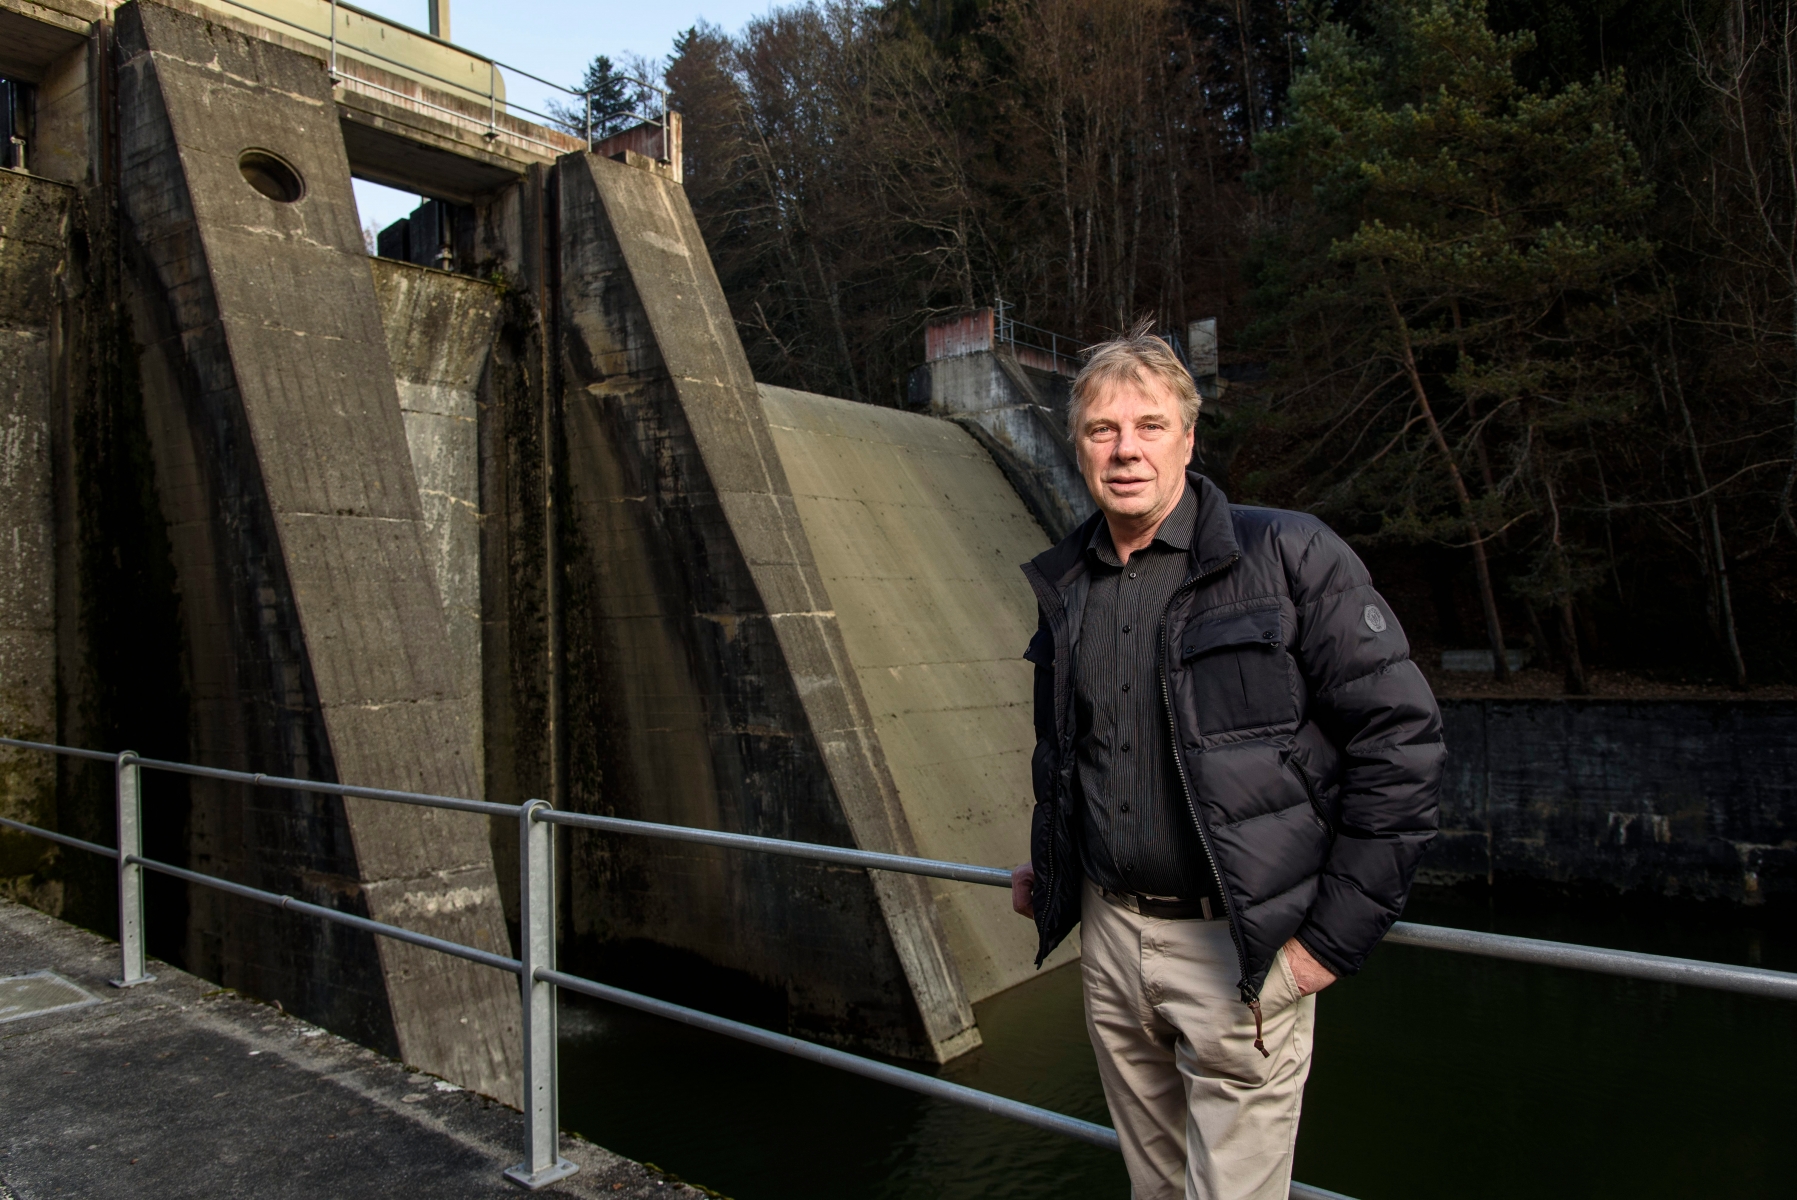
x,y
1133,449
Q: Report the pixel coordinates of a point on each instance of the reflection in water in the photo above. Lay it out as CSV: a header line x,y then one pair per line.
x,y
1436,1074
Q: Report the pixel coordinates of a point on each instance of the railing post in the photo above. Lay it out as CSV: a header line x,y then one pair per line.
x,y
492,99
542,1164
333,41
588,97
128,780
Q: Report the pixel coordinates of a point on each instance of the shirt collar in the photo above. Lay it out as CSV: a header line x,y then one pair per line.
x,y
1175,532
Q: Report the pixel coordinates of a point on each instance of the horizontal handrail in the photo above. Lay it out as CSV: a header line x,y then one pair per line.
x,y
339,47
1090,1132
396,932
1005,329
1630,964
1012,323
428,36
62,838
916,1081
65,751
1028,1114
257,779
874,859
356,51
1754,981
405,68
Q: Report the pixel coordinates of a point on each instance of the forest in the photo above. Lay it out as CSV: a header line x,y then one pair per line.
x,y
1507,289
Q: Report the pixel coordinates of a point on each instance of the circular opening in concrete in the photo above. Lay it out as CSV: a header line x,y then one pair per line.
x,y
271,175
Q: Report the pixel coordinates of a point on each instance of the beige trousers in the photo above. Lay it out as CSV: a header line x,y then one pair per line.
x,y
1200,1113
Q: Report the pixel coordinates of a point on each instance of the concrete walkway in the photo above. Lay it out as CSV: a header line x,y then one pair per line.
x,y
175,1089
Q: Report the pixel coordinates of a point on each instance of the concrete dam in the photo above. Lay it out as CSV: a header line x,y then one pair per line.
x,y
524,528
503,516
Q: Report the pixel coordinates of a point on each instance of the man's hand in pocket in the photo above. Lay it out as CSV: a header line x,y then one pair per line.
x,y
1312,976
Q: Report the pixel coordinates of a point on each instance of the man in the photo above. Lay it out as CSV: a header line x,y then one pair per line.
x,y
1236,770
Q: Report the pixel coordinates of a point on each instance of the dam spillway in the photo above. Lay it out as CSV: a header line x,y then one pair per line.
x,y
917,536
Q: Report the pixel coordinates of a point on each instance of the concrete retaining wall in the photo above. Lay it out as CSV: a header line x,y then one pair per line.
x,y
34,236
1694,798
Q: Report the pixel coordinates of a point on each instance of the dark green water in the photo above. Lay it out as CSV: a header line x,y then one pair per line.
x,y
1436,1075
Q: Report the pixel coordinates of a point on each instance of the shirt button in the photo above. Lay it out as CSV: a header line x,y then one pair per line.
x,y
1123,808
1132,574
1126,687
1125,747
1126,629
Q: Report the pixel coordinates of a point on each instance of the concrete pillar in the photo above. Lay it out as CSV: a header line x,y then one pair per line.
x,y
317,642
34,231
713,684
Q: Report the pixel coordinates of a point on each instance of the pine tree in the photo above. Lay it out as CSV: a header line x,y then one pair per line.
x,y
1459,262
611,96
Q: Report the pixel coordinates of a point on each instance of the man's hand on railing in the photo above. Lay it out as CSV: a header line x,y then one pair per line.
x,y
1023,881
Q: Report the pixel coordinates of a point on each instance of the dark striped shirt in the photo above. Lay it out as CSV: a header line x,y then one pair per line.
x,y
1138,831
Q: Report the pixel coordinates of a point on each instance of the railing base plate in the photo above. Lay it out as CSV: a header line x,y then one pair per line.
x,y
125,983
524,1178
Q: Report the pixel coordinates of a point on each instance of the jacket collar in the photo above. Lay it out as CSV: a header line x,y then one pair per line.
x,y
1213,534
1213,538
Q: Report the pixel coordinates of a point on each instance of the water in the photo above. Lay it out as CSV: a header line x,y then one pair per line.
x,y
1435,1074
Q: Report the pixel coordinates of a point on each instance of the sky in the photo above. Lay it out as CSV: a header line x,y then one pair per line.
x,y
552,38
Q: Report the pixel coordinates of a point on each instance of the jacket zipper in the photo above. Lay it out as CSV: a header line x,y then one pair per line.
x,y
1185,785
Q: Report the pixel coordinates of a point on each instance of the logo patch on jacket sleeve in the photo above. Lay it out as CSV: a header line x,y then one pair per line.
x,y
1375,620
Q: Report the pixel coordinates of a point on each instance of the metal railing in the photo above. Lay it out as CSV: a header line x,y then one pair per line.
x,y
1062,351
538,977
492,95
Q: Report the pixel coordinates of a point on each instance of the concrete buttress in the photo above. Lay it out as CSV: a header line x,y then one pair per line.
x,y
317,640
34,227
714,685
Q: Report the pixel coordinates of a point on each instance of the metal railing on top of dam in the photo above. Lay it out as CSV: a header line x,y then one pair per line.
x,y
333,36
1063,352
539,978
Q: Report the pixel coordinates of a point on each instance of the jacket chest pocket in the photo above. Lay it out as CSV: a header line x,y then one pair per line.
x,y
1238,672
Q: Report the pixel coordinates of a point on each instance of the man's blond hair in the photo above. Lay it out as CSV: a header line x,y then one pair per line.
x,y
1138,357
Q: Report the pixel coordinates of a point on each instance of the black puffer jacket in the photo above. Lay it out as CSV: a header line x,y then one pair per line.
x,y
1309,744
